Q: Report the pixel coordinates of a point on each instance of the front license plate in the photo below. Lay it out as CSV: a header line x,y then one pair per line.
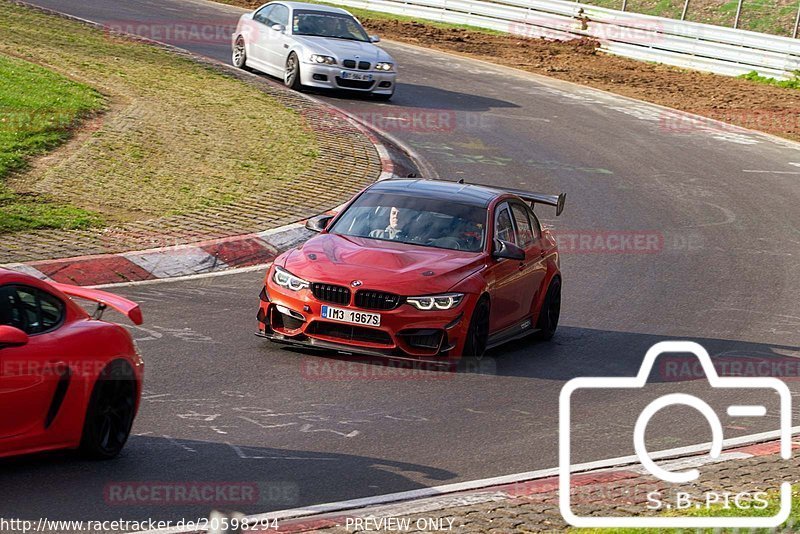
x,y
356,76
349,316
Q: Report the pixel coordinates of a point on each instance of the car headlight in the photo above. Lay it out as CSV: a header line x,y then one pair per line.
x,y
326,60
436,302
284,278
384,66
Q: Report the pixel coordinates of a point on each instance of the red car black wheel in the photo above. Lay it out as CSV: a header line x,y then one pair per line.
x,y
478,333
110,414
551,311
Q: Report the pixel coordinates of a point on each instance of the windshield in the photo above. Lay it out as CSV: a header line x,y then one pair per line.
x,y
417,221
323,24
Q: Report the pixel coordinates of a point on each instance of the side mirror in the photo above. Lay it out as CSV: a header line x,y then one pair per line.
x,y
374,39
508,251
12,337
278,27
319,223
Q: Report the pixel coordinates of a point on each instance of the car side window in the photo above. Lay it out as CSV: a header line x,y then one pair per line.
x,y
31,310
351,27
9,311
263,13
503,227
525,233
278,15
537,226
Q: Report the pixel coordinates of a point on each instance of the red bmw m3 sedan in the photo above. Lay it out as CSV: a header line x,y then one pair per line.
x,y
419,269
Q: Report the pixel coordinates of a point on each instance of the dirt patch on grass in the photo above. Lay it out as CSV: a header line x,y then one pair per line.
x,y
176,137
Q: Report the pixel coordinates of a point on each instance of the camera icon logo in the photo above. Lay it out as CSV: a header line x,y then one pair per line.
x,y
676,477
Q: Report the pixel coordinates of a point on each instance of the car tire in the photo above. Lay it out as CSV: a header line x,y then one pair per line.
x,y
478,332
291,76
550,312
110,414
239,54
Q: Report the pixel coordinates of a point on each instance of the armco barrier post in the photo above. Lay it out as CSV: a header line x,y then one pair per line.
x,y
796,22
685,10
738,14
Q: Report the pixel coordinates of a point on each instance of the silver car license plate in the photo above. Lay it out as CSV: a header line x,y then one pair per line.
x,y
357,76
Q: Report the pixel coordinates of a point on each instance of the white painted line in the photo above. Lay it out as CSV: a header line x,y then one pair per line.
x,y
431,504
747,411
421,506
770,172
693,461
487,482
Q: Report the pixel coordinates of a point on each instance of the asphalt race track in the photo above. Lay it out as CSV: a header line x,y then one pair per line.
x,y
222,405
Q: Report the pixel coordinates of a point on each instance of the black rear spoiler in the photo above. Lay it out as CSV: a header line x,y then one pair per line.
x,y
556,201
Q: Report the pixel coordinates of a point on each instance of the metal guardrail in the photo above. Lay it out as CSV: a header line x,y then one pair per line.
x,y
684,44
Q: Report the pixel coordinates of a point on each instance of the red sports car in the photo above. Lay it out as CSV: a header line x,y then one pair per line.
x,y
419,269
67,379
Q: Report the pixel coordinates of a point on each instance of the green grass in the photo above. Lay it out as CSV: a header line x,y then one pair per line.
x,y
793,83
175,136
38,109
717,511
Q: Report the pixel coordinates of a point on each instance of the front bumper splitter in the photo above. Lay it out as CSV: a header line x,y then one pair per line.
x,y
318,344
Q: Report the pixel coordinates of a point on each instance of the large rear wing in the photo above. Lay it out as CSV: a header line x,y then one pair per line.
x,y
556,201
126,307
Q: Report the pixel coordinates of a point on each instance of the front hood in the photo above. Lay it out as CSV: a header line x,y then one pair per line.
x,y
342,48
381,265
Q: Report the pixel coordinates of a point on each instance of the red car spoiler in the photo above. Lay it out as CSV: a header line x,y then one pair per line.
x,y
122,305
